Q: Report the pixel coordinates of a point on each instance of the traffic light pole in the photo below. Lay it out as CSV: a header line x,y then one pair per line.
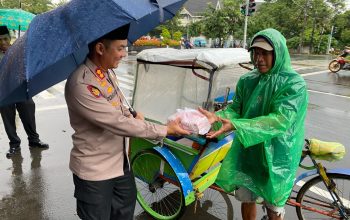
x,y
330,40
246,23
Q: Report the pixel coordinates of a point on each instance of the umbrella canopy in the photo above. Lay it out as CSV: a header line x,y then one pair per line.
x,y
16,18
56,41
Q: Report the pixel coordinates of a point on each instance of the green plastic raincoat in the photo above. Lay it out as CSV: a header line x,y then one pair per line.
x,y
268,113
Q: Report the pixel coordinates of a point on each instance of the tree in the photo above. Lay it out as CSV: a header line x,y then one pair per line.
x,y
196,28
224,22
166,34
172,26
33,6
10,4
319,12
37,6
214,24
342,26
345,37
60,3
233,18
177,35
306,20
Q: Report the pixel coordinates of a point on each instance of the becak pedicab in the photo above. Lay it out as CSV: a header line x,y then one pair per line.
x,y
172,174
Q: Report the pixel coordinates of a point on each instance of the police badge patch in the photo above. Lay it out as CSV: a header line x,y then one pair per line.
x,y
94,91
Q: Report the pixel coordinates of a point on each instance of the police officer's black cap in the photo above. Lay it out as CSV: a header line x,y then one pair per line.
x,y
4,30
120,33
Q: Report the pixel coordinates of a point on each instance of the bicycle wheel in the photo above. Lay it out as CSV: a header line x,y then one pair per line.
x,y
213,205
317,202
158,189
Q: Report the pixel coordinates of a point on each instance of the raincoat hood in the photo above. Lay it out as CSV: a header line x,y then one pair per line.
x,y
281,55
268,113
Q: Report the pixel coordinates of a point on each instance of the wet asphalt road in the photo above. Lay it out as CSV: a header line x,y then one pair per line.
x,y
37,184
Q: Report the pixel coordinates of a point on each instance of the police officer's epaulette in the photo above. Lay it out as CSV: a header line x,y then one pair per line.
x,y
99,83
99,74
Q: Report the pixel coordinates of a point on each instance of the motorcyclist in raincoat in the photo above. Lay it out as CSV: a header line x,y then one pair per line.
x,y
267,115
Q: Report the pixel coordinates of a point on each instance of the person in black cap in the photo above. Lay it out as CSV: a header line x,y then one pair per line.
x,y
104,182
26,110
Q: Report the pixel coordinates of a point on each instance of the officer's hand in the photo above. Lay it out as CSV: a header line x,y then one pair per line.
x,y
210,115
226,127
140,116
174,128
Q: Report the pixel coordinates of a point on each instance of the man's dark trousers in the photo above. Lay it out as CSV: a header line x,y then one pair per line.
x,y
26,111
106,200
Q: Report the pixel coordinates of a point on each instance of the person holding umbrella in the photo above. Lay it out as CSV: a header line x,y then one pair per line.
x,y
26,110
104,183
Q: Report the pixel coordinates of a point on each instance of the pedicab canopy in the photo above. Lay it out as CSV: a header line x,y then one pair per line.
x,y
168,79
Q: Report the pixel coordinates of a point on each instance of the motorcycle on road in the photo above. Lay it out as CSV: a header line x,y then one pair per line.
x,y
339,63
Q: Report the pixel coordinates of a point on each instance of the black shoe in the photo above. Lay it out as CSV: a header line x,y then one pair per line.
x,y
38,144
12,151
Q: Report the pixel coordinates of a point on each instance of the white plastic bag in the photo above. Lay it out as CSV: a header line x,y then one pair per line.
x,y
192,120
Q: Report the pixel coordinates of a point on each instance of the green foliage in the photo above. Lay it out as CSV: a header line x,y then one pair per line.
x,y
33,6
322,44
336,43
221,23
293,42
60,2
215,24
196,28
345,37
306,21
177,35
302,22
172,26
342,29
165,34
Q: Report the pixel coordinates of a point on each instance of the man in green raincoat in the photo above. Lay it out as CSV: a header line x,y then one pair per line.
x,y
267,115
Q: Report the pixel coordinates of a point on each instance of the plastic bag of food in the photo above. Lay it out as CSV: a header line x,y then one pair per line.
x,y
192,120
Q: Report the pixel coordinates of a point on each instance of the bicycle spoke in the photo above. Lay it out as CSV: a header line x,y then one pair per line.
x,y
317,202
158,197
